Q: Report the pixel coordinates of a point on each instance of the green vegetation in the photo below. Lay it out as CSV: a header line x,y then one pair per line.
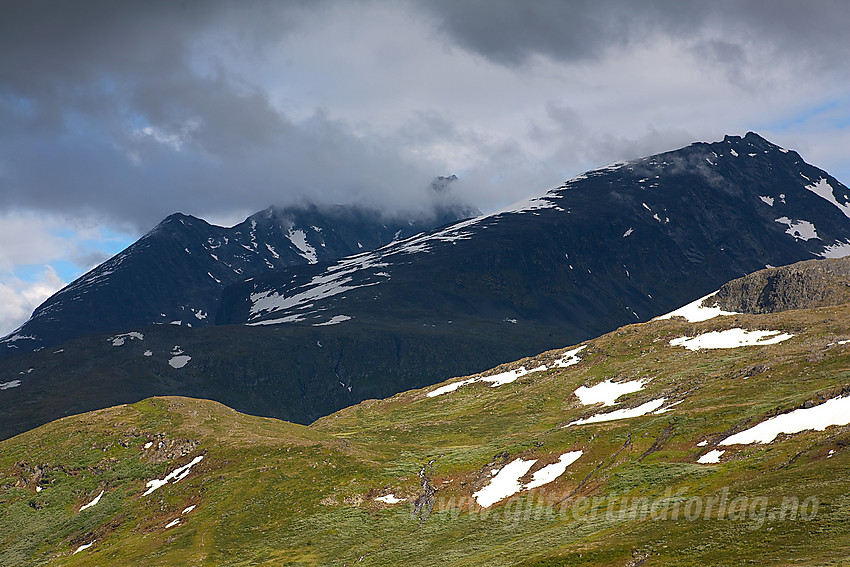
x,y
268,492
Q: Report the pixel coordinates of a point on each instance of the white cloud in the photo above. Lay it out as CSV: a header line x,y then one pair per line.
x,y
40,253
18,298
27,237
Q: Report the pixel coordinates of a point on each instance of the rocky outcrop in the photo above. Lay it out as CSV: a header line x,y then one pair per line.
x,y
804,285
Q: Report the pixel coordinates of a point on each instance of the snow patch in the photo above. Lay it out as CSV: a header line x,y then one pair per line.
x,y
176,475
93,502
504,484
824,190
299,239
389,499
767,200
83,548
712,456
11,384
450,387
694,311
320,287
626,413
18,337
272,250
569,358
607,392
119,340
800,230
832,412
172,523
550,472
506,377
296,318
179,361
497,380
837,250
730,338
188,509
335,320
148,445
667,408
628,232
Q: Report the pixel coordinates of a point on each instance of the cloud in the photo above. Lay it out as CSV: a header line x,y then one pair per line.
x,y
129,111
39,253
18,297
511,33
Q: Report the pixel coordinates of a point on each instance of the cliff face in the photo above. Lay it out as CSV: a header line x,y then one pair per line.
x,y
804,285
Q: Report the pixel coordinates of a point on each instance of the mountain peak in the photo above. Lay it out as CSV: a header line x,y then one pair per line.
x,y
175,273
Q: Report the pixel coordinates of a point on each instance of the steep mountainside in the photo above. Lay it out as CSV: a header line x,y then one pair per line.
x,y
175,273
613,246
646,446
585,258
295,373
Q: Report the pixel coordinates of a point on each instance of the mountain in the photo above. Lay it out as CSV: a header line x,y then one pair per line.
x,y
644,446
175,273
614,246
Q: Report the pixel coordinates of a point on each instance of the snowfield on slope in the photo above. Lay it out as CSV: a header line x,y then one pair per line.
x,y
93,502
569,358
730,338
607,392
824,190
626,413
176,475
506,482
119,340
389,499
550,472
694,312
799,229
711,457
835,411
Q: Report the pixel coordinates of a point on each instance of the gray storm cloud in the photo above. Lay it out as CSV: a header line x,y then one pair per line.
x,y
134,110
510,32
106,104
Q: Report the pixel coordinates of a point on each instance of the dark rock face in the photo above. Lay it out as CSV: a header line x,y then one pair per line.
x,y
176,272
614,246
804,285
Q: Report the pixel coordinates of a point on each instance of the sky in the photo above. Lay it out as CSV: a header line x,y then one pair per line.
x,y
114,115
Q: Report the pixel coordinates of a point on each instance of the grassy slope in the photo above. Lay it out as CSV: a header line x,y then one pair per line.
x,y
272,493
